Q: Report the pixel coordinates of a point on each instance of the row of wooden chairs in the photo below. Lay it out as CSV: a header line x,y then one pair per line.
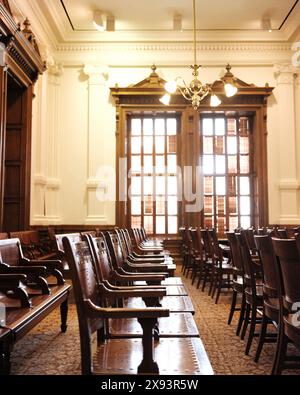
x,y
114,286
269,285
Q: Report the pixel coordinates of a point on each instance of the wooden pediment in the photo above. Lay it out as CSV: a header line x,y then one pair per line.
x,y
153,81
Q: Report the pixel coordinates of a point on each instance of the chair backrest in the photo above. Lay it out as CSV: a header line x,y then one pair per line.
x,y
85,285
217,253
127,239
283,233
75,237
122,243
103,267
250,239
197,242
289,258
89,232
269,265
3,235
248,265
236,255
206,243
10,252
115,249
135,236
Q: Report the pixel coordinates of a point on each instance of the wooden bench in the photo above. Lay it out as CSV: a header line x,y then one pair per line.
x,y
21,317
33,246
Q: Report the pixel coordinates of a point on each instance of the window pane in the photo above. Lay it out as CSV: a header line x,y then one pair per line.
x,y
219,145
148,165
159,126
244,163
220,164
232,163
232,185
244,186
135,185
148,145
172,165
221,225
244,145
172,144
148,224
160,144
171,126
136,164
208,205
172,185
231,126
231,145
220,126
160,185
208,223
220,186
221,205
245,222
244,126
136,126
136,205
233,205
208,146
208,185
172,204
136,222
160,205
148,185
233,223
148,205
245,205
148,126
207,126
136,145
160,225
172,225
160,164
208,164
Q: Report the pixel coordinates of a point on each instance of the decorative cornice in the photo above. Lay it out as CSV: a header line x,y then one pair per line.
x,y
184,46
95,183
285,73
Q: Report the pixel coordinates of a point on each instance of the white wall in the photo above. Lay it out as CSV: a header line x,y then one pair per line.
x,y
80,125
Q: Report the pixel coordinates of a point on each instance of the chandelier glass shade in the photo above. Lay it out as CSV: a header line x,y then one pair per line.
x,y
196,91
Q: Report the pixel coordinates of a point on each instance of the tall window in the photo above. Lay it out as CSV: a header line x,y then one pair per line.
x,y
152,160
227,171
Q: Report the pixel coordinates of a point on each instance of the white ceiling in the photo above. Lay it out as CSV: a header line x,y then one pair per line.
x,y
152,20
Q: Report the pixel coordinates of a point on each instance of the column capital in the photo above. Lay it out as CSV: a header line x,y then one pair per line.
x,y
98,74
285,73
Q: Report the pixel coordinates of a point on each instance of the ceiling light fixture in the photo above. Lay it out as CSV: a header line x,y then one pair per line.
x,y
266,24
177,23
196,91
98,21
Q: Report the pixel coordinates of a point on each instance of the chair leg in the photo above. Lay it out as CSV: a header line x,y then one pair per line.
x,y
220,280
205,279
252,329
232,307
246,321
262,336
281,348
212,280
242,315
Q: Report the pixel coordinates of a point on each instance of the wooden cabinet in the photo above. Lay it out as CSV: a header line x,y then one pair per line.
x,y
20,65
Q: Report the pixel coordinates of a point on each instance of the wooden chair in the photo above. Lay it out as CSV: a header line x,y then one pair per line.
x,y
198,255
207,277
288,254
253,291
92,319
270,289
144,248
59,248
221,268
238,286
33,246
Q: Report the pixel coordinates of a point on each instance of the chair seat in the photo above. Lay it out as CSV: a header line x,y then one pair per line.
x,y
177,325
174,356
178,304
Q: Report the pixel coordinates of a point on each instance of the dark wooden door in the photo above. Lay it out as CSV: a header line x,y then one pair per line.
x,y
16,199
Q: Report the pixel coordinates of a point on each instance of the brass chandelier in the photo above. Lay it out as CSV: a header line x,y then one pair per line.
x,y
196,91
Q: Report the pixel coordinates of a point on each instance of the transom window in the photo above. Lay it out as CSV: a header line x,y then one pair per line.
x,y
227,171
152,161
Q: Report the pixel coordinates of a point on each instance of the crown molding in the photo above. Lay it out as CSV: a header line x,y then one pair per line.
x,y
181,46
